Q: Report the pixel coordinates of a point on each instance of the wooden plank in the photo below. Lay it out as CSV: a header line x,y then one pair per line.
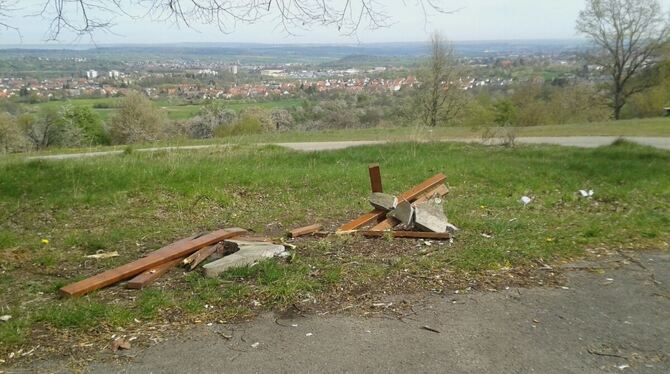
x,y
200,256
421,188
246,238
407,234
391,222
362,220
171,252
307,230
149,276
375,178
409,195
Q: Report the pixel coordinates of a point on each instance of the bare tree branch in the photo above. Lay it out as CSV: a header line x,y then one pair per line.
x,y
83,17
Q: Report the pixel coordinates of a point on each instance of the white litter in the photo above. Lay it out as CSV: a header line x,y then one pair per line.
x,y
255,345
624,366
486,236
586,193
525,200
5,318
309,334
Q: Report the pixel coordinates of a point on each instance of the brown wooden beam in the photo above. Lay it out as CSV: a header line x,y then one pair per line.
x,y
171,252
362,220
201,255
307,230
375,178
149,276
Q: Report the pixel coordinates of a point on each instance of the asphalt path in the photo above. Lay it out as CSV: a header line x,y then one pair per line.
x,y
568,141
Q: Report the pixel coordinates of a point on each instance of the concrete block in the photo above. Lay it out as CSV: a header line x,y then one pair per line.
x,y
246,255
404,213
430,216
383,201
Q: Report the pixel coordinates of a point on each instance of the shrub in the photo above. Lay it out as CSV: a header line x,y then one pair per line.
x,y
85,122
11,137
211,116
137,120
247,124
42,130
282,119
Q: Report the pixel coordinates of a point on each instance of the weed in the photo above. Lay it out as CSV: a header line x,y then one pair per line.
x,y
151,301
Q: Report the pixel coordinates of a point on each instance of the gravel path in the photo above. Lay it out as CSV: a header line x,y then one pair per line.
x,y
573,141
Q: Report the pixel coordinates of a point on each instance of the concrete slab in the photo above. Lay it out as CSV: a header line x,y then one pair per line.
x,y
404,213
430,216
383,201
247,255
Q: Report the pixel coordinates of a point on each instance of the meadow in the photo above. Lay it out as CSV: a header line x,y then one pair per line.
x,y
175,109
53,213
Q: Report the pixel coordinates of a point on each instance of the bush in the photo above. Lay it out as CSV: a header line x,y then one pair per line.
x,y
42,130
11,137
210,118
247,124
85,122
137,120
281,119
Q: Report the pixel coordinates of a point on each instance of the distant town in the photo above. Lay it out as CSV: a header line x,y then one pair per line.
x,y
200,79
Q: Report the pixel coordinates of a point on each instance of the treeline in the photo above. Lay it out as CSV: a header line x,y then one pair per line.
x,y
135,119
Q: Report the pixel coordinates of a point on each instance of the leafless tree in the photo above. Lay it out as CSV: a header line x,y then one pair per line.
x,y
6,8
440,99
629,34
86,16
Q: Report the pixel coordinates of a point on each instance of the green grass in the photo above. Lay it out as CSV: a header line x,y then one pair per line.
x,y
175,110
137,202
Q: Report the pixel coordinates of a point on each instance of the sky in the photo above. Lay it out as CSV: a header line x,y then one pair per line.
x,y
471,20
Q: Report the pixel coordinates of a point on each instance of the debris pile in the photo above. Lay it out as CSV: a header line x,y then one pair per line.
x,y
229,247
416,213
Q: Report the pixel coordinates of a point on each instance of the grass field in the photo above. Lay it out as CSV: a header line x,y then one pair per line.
x,y
175,110
136,202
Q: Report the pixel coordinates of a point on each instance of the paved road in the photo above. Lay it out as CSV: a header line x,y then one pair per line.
x,y
572,141
613,320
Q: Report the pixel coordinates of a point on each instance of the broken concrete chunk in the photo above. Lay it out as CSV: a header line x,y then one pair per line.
x,y
247,255
430,216
383,201
403,213
233,245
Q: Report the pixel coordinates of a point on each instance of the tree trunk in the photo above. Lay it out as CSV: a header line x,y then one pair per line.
x,y
618,103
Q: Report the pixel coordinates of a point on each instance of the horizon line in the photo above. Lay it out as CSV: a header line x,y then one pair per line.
x,y
161,44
